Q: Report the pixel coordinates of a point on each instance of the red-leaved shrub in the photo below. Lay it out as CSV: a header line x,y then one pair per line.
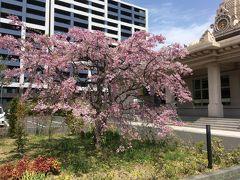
x,y
45,165
21,167
6,171
39,165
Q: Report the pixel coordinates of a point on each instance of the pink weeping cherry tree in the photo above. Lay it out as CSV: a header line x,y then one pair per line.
x,y
119,70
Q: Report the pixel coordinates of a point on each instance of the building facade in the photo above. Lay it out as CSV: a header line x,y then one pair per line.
x,y
117,19
215,60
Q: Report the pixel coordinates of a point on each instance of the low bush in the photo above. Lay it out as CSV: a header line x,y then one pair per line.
x,y
30,169
33,176
6,171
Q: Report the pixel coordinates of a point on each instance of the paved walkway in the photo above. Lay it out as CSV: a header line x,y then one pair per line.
x,y
232,134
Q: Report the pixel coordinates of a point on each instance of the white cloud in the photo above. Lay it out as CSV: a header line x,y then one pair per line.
x,y
182,35
177,24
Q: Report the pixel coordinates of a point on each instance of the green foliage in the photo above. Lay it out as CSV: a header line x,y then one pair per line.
x,y
199,147
74,124
33,176
3,80
165,159
20,134
218,151
12,117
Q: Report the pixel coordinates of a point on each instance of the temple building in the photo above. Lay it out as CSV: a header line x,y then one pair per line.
x,y
215,60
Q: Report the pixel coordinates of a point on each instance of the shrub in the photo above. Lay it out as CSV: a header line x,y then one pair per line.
x,y
33,176
74,124
45,165
233,157
12,116
19,130
30,169
6,171
218,151
21,167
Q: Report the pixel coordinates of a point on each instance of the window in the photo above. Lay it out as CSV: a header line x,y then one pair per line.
x,y
62,12
141,11
82,25
82,1
36,3
11,6
61,20
126,13
200,91
80,8
98,13
139,17
112,17
139,24
95,28
82,78
97,5
225,90
112,24
9,26
126,6
61,3
112,32
113,2
126,20
35,21
5,15
60,29
126,35
126,28
112,9
36,12
78,16
98,21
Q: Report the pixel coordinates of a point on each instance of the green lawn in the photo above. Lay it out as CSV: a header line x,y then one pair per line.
x,y
169,159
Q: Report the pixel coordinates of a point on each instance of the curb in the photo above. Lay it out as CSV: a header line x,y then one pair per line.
x,y
232,173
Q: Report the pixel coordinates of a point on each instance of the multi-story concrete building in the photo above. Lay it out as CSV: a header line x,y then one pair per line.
x,y
117,19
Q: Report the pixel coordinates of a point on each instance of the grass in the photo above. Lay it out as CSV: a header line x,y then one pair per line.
x,y
168,159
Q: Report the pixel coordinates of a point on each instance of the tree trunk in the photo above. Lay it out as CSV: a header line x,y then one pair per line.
x,y
50,128
98,134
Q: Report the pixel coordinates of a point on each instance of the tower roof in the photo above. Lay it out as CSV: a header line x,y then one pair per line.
x,y
227,21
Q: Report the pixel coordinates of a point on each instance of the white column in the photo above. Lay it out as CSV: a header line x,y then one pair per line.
x,y
215,107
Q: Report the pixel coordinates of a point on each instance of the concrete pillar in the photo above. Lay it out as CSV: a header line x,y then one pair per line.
x,y
215,106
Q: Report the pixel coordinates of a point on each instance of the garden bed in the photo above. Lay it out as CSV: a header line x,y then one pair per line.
x,y
167,159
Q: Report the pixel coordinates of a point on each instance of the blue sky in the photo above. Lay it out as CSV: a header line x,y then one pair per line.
x,y
180,21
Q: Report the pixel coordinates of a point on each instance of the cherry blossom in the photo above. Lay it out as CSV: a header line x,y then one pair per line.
x,y
119,71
